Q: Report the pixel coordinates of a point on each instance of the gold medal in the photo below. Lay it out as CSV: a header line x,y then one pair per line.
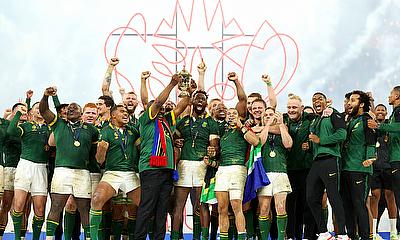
x,y
77,143
272,154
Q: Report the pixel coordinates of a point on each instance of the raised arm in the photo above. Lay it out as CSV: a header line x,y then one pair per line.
x,y
264,133
56,101
271,93
241,106
105,87
44,109
13,129
287,140
201,68
28,99
144,95
162,98
7,113
249,135
52,140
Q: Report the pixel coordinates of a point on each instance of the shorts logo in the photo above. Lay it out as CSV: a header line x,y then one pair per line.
x,y
331,174
393,171
358,182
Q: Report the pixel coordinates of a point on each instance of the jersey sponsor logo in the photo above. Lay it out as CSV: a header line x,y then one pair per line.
x,y
186,123
356,126
204,124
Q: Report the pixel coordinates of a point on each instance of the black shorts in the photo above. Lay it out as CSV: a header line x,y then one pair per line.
x,y
381,179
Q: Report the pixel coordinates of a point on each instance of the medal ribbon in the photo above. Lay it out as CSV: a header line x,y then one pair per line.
x,y
76,132
271,141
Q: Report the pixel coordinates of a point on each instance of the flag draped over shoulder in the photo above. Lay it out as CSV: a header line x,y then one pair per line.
x,y
256,175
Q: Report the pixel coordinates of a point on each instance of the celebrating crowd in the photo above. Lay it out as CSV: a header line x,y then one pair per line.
x,y
250,171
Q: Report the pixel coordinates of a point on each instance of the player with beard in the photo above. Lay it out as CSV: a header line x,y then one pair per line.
x,y
392,128
199,131
169,106
358,156
12,152
381,178
156,162
73,140
117,148
299,162
31,171
130,101
274,154
220,114
327,132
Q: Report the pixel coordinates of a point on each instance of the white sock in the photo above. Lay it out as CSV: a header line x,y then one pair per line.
x,y
393,222
374,223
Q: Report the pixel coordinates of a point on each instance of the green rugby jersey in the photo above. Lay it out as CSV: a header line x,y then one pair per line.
x,y
93,165
393,129
122,150
332,132
147,132
359,145
12,151
67,154
196,134
298,159
34,138
3,133
275,162
233,147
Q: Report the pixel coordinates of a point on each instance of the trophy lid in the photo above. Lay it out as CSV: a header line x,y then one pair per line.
x,y
184,73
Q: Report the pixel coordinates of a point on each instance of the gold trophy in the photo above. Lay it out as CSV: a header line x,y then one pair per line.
x,y
185,84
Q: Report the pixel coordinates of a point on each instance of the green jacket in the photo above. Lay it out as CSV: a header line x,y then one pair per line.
x,y
393,130
332,132
359,145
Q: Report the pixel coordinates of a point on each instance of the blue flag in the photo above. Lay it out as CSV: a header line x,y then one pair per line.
x,y
256,175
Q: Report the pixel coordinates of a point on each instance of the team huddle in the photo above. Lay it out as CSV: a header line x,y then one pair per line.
x,y
251,171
